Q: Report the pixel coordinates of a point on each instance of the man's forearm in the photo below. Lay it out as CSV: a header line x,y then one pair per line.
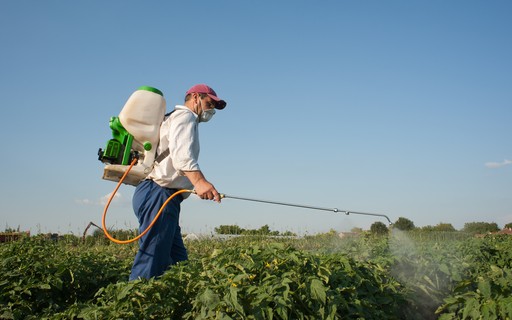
x,y
195,177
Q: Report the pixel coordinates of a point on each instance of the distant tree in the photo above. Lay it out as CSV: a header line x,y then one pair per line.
x,y
264,230
229,229
508,225
404,224
448,227
98,233
480,227
439,227
333,232
379,228
356,230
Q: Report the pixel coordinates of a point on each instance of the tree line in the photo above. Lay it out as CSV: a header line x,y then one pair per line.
x,y
405,224
378,227
264,230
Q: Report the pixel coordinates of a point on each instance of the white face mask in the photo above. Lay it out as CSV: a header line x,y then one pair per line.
x,y
206,115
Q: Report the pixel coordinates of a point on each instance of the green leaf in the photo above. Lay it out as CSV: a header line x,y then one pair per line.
x,y
45,286
232,299
7,315
471,309
324,273
489,310
444,269
447,316
505,308
209,299
125,291
485,288
318,290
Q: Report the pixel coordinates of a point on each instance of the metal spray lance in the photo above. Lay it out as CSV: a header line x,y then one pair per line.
x,y
335,210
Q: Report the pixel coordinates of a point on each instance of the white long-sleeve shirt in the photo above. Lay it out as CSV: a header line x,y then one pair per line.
x,y
179,132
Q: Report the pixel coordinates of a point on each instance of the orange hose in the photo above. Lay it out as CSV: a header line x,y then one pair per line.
x,y
152,222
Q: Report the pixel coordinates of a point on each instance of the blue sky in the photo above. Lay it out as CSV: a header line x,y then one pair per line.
x,y
395,107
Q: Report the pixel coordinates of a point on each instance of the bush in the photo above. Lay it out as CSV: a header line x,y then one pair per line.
x,y
257,282
42,276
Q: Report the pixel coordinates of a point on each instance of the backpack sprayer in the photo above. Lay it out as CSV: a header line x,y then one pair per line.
x,y
131,153
136,132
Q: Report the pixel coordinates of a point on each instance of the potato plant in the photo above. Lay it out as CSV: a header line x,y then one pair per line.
x,y
313,277
40,276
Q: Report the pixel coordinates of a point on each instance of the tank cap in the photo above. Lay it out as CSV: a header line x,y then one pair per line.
x,y
147,146
155,90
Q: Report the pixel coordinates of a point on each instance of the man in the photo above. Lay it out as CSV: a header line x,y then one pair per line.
x,y
163,246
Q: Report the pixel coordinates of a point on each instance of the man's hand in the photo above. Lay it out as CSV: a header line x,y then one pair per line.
x,y
204,189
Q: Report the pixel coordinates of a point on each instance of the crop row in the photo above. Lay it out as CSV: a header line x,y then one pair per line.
x,y
315,277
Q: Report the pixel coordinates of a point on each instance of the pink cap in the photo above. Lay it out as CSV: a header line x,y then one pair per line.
x,y
202,88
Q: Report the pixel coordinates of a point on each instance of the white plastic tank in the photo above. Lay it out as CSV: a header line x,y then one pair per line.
x,y
141,116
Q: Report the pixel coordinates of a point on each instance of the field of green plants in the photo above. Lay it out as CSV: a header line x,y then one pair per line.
x,y
403,275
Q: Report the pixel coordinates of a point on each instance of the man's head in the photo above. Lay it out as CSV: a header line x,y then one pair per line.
x,y
205,91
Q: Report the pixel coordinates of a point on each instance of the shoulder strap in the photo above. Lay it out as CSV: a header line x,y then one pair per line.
x,y
166,152
162,155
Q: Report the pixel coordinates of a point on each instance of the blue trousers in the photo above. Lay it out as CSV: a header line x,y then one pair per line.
x,y
163,245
